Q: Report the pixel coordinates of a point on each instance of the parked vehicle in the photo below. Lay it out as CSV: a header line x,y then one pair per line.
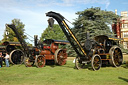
x,y
14,50
42,51
95,51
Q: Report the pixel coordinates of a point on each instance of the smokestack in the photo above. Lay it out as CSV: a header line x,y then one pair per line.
x,y
35,39
51,22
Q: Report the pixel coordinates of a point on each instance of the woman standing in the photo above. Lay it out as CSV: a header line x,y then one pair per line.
x,y
7,60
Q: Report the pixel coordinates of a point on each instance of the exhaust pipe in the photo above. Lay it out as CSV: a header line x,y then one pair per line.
x,y
35,40
51,22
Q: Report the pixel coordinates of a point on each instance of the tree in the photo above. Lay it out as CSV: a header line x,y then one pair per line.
x,y
94,20
53,33
9,35
0,43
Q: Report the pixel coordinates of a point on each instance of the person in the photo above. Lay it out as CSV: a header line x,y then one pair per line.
x,y
7,60
1,60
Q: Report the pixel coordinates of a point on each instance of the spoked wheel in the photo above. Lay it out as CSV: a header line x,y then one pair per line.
x,y
96,62
60,57
40,61
78,63
28,62
116,56
16,57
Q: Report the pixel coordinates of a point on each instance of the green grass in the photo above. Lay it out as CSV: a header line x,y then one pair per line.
x,y
62,75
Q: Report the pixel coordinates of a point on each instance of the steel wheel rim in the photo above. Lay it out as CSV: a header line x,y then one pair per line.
x,y
78,64
28,63
40,61
117,57
16,57
96,62
61,57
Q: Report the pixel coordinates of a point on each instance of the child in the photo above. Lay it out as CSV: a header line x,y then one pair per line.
x,y
1,59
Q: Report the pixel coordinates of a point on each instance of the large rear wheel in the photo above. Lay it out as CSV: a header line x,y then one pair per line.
x,y
16,57
116,56
60,57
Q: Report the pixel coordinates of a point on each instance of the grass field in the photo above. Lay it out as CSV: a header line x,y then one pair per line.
x,y
62,75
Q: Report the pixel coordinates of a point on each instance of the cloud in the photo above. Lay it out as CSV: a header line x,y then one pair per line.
x,y
77,2
47,3
107,4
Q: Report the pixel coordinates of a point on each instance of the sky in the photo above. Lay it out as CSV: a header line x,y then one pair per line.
x,y
32,12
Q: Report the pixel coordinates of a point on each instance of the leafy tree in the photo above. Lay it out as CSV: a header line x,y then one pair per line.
x,y
94,20
0,43
9,35
53,33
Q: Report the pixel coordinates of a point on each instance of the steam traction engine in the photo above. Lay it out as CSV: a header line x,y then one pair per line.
x,y
52,51
38,54
55,50
97,51
14,50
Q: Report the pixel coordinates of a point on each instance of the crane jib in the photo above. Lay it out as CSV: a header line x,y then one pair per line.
x,y
74,37
69,34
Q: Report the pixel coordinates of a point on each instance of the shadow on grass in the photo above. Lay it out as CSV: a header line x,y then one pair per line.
x,y
66,66
87,66
125,65
123,79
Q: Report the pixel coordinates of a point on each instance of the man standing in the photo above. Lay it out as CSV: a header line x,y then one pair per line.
x,y
7,60
1,59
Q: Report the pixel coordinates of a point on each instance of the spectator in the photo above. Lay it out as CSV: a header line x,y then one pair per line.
x,y
1,59
7,60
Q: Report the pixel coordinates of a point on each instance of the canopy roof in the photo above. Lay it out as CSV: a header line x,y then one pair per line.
x,y
49,41
101,38
11,43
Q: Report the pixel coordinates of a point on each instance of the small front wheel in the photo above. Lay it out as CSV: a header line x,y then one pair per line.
x,y
40,61
28,62
78,63
96,62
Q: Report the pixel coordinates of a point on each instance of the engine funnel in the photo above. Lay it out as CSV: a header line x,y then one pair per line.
x,y
51,22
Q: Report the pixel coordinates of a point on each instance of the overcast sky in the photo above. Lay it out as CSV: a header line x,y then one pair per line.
x,y
32,12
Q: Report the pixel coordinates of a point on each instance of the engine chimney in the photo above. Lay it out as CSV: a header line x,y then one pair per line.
x,y
35,39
